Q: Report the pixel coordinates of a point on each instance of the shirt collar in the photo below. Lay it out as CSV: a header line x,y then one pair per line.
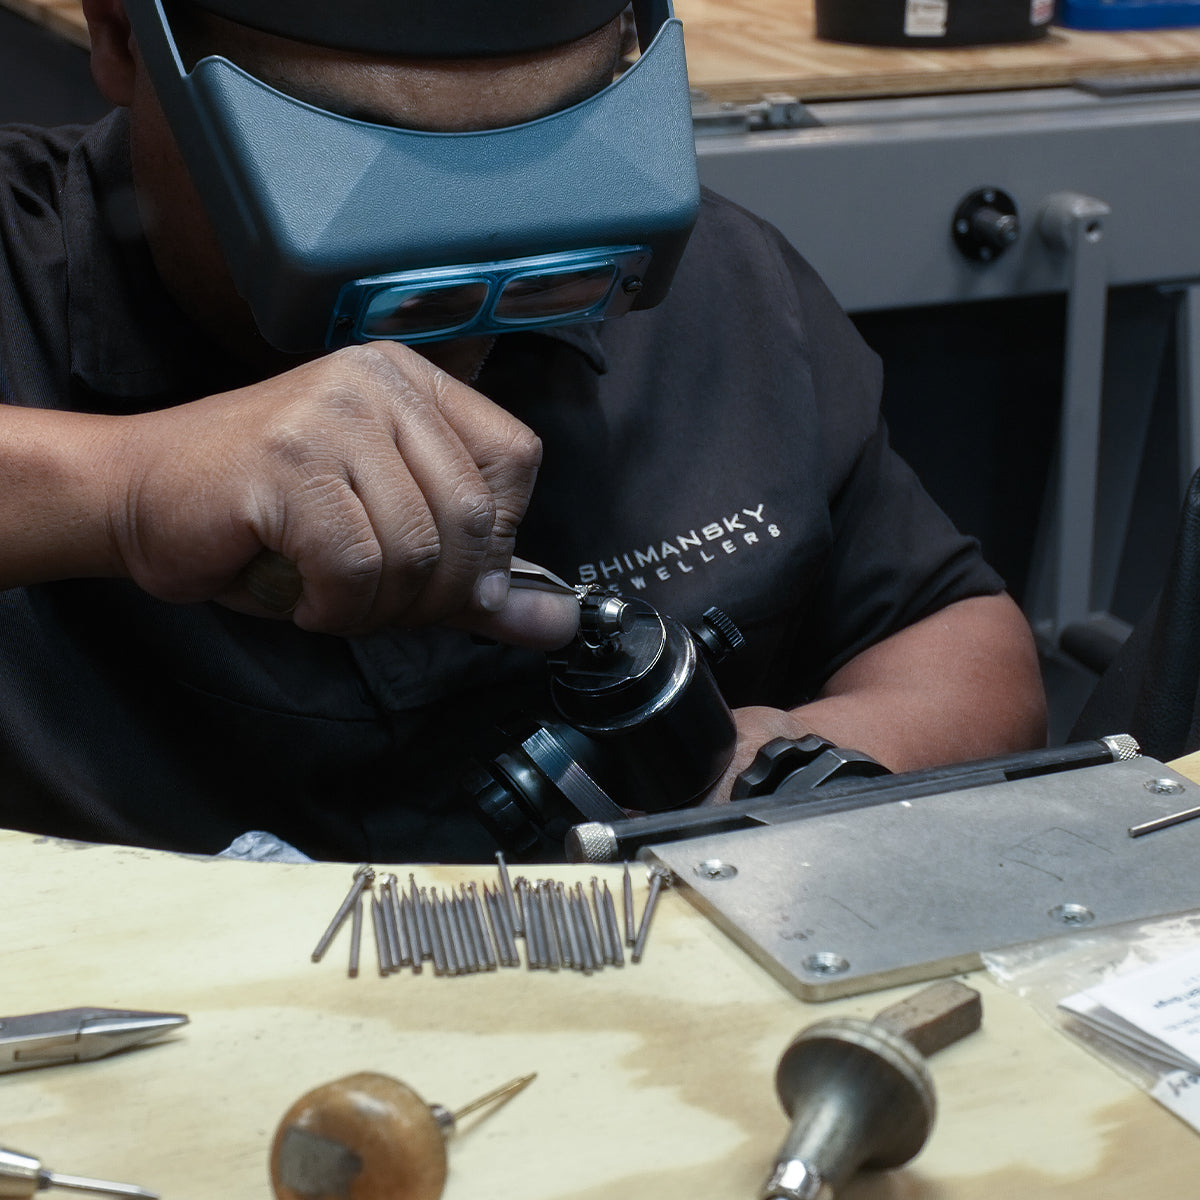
x,y
586,339
128,337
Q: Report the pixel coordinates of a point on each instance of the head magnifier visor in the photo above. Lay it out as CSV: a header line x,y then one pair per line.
x,y
337,230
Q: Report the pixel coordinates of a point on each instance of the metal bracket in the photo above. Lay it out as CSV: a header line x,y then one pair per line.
x,y
1187,380
773,110
1073,225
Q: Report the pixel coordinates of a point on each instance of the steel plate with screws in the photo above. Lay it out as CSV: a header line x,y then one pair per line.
x,y
850,902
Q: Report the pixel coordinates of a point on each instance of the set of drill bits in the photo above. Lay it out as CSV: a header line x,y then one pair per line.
x,y
480,927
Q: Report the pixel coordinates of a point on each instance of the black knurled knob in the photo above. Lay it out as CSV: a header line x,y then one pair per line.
x,y
774,762
717,633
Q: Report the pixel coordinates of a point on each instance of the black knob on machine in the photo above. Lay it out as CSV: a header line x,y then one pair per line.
x,y
986,224
801,763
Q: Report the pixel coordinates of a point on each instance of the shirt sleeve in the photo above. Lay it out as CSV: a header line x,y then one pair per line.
x,y
895,556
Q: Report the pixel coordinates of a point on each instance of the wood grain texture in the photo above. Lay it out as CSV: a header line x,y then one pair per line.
x,y
64,17
374,1124
654,1081
739,49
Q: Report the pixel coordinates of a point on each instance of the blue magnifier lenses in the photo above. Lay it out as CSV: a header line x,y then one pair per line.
x,y
428,305
554,294
406,312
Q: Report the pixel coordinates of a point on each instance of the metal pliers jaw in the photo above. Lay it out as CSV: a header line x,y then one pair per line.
x,y
73,1035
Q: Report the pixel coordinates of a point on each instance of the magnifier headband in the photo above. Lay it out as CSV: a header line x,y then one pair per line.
x,y
424,28
330,225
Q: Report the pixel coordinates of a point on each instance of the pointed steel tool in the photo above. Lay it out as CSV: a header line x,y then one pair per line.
x,y
22,1175
73,1035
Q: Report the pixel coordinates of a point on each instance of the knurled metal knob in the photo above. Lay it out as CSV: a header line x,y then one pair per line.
x,y
592,842
775,761
717,633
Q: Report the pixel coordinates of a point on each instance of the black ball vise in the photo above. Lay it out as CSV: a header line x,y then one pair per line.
x,y
636,723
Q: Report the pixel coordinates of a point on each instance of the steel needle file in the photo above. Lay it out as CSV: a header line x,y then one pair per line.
x,y
363,878
22,1175
659,878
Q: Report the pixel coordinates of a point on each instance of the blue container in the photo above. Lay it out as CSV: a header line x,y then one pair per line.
x,y
1115,15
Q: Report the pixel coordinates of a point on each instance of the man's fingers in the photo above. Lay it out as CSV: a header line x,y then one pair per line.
x,y
462,508
393,490
539,620
274,582
506,455
474,465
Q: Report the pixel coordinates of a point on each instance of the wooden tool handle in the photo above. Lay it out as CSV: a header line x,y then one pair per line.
x,y
936,1016
274,581
365,1137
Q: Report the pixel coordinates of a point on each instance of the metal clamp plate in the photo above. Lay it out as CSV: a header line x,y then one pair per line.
x,y
851,902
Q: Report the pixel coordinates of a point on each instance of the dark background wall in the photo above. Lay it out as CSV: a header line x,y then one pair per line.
x,y
43,79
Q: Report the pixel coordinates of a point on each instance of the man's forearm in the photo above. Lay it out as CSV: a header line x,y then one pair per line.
x,y
54,506
961,684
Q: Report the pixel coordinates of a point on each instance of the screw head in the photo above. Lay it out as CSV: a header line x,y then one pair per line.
x,y
715,869
826,962
1072,914
1163,787
631,285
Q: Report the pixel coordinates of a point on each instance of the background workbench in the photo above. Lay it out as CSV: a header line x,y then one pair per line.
x,y
740,48
654,1081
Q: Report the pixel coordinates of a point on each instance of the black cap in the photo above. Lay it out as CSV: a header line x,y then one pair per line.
x,y
424,28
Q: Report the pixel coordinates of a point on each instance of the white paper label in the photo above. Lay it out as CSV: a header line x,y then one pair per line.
x,y
925,18
1180,1092
1154,1010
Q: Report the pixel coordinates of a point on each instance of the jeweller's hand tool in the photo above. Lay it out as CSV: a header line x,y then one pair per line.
x,y
858,1092
275,582
74,1035
21,1176
367,1137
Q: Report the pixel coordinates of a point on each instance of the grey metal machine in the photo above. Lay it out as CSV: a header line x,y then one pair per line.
x,y
981,196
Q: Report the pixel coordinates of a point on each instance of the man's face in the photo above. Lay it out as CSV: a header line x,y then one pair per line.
x,y
443,95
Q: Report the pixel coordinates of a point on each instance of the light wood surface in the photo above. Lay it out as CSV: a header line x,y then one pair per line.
x,y
738,49
654,1082
64,17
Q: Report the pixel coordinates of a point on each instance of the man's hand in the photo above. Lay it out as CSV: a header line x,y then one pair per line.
x,y
394,489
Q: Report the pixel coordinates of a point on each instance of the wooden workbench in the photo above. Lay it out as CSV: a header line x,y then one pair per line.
x,y
738,49
653,1081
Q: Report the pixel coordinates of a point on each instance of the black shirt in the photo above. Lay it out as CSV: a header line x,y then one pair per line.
x,y
724,448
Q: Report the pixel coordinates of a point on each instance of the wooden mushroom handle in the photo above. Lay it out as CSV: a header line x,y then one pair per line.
x,y
364,1137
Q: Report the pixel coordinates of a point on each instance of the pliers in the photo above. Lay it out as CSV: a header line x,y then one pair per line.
x,y
73,1035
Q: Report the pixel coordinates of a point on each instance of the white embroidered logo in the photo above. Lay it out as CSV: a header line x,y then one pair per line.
x,y
681,553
